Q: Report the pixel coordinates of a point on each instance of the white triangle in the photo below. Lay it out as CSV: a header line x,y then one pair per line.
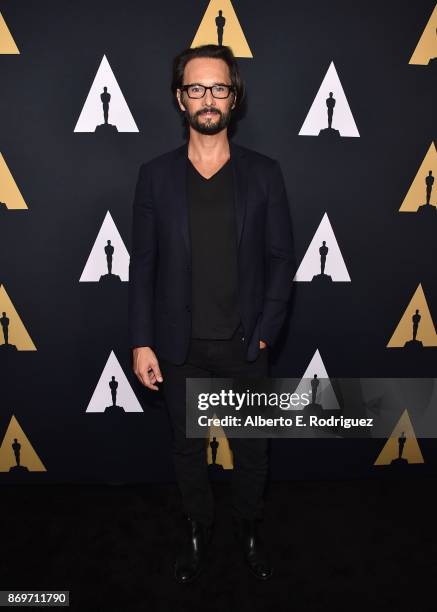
x,y
325,393
125,397
92,112
97,264
310,264
317,118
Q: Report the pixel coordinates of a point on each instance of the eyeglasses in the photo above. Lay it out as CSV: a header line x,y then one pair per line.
x,y
219,90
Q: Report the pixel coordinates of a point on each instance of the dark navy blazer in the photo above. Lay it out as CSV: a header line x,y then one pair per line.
x,y
160,263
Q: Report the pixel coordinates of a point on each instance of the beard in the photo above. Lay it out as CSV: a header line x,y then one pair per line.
x,y
212,125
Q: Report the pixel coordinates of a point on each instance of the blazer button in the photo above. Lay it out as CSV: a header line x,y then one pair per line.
x,y
188,308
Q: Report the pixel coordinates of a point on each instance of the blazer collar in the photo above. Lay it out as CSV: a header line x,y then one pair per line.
x,y
238,160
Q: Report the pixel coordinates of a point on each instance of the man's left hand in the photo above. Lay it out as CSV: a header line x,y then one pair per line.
x,y
262,344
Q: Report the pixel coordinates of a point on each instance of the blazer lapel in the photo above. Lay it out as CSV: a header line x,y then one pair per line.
x,y
241,177
240,180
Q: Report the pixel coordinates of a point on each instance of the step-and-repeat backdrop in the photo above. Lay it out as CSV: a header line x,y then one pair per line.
x,y
342,94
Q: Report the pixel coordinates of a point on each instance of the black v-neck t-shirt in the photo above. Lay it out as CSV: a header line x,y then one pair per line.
x,y
215,310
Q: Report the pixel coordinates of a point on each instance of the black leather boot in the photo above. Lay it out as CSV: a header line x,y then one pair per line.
x,y
255,554
191,558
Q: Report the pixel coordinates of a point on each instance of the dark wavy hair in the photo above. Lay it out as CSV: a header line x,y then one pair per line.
x,y
216,51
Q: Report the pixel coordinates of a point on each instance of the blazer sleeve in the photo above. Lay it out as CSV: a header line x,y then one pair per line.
x,y
142,264
280,259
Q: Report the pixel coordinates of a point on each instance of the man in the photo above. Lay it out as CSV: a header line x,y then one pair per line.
x,y
210,274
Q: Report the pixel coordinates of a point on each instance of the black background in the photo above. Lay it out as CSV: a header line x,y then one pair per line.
x,y
69,181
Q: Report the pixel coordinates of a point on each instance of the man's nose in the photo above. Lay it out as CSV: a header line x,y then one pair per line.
x,y
209,98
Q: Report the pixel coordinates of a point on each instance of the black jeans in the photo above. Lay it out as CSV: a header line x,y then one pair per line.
x,y
215,358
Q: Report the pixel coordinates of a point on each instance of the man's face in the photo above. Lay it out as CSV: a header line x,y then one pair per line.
x,y
207,115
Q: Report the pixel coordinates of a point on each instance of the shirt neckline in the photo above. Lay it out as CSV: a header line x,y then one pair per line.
x,y
215,173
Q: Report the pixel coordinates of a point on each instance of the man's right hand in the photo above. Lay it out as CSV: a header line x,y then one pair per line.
x,y
146,367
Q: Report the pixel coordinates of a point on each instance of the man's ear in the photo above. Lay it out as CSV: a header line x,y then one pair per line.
x,y
179,95
235,99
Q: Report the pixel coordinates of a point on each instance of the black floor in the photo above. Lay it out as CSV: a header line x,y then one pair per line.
x,y
355,545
